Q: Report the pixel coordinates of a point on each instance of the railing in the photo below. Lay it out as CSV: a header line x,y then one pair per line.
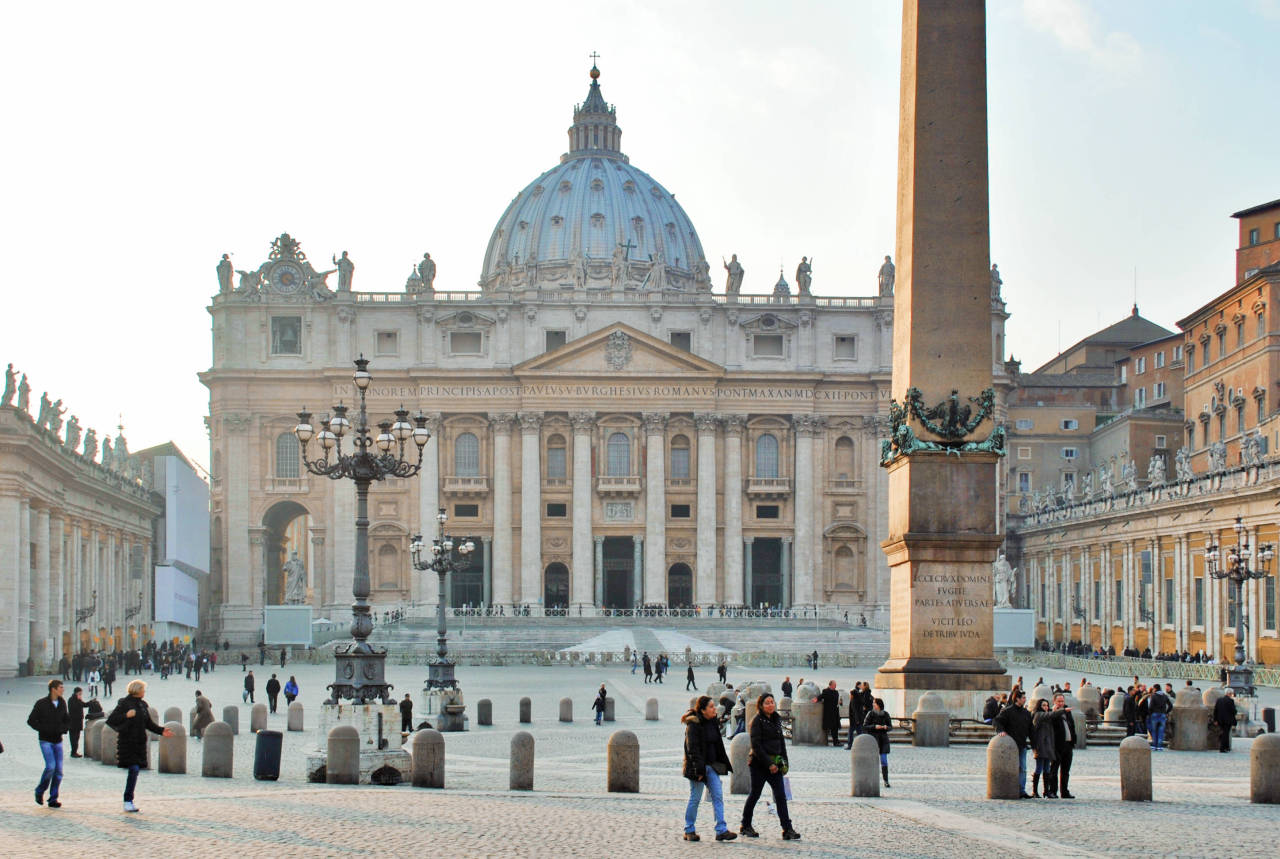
x,y
680,483
843,485
1130,667
769,486
287,484
618,485
556,483
578,296
458,485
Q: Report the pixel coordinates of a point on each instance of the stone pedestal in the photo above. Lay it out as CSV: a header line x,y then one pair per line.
x,y
449,709
932,722
375,755
1014,629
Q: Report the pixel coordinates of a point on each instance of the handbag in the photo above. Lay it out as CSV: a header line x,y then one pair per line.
x,y
720,767
786,788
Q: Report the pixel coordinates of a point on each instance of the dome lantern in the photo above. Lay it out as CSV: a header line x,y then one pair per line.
x,y
595,130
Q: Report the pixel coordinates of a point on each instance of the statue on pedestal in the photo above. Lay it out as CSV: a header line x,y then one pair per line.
x,y
42,418
108,458
73,434
618,267
346,268
886,277
1251,449
91,444
804,275
702,276
24,394
295,587
1086,486
733,284
55,417
10,385
427,273
1129,474
1005,579
225,269
1218,456
996,282
1182,465
656,281
1156,471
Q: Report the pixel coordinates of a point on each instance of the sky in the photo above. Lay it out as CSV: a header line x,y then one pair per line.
x,y
144,140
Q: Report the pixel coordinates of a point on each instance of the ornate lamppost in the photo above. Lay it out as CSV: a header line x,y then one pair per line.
x,y
132,611
360,668
83,614
1239,570
444,555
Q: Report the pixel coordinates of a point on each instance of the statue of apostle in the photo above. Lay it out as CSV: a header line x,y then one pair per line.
x,y
886,277
427,273
346,268
225,270
733,284
804,275
295,587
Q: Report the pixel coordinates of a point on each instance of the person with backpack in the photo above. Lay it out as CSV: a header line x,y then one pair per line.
x,y
1158,707
602,698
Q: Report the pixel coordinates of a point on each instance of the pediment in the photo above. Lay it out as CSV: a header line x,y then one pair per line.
x,y
619,350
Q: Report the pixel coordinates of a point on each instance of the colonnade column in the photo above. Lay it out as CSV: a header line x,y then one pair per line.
x,y
599,572
807,428
1051,598
748,571
655,508
486,583
530,507
637,567
503,590
237,593
704,590
23,608
583,570
76,579
40,591
428,504
258,566
10,509
1179,595
733,582
787,571
1086,597
57,584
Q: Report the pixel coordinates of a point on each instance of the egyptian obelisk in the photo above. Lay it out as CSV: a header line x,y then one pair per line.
x,y
943,457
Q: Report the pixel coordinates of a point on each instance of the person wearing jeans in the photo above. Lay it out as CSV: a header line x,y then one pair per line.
x,y
49,719
131,720
768,764
705,761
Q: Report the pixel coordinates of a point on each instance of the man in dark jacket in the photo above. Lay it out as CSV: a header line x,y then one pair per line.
x,y
705,761
406,714
75,715
990,709
49,720
273,692
1158,707
248,687
648,667
1015,722
1064,744
830,699
1129,709
786,686
1224,716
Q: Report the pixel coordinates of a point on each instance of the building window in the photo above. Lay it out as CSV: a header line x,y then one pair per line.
x,y
1119,600
1262,409
466,455
846,348
1199,601
1222,426
288,456
1124,373
1024,453
286,335
1070,424
1023,423
466,511
680,511
682,340
466,343
1142,365
557,510
618,455
1239,334
1262,325
1177,354
1159,359
387,342
1057,605
1162,442
1276,230
844,458
1024,481
555,339
680,458
767,345
1269,602
1140,397
1222,345
557,465
1191,436
1168,600
1255,236
1159,391
766,511
767,456
1070,453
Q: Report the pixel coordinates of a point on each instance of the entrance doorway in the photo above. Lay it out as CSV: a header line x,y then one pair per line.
x,y
286,525
619,570
555,589
466,586
679,586
766,572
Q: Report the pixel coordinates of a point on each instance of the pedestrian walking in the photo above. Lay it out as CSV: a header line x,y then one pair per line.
x,y
273,692
75,723
599,704
1014,721
49,719
244,662
1224,715
879,724
95,678
406,713
659,666
813,660
1158,706
1064,744
635,662
768,764
247,697
283,656
830,700
1042,748
204,715
705,761
786,687
689,682
131,721
648,667
722,671
290,690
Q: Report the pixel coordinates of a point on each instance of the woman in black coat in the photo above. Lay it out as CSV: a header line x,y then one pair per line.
x,y
131,720
1042,747
705,761
767,763
878,724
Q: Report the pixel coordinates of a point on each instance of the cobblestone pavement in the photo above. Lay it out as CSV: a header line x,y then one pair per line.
x,y
935,807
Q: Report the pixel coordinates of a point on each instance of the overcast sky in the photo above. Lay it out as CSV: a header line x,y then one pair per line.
x,y
143,140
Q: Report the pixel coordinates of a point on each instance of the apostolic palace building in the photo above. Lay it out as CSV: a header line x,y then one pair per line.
x,y
611,430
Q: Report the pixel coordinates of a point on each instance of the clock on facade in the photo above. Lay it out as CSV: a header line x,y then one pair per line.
x,y
286,277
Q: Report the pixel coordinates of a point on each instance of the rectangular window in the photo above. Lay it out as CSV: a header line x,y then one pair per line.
x,y
1239,418
1199,601
1255,236
1070,424
1124,373
680,511
682,340
679,463
1119,600
846,348
1097,594
1191,436
1024,481
388,342
1269,602
1142,365
466,342
1262,325
1239,334
767,345
766,511
1057,606
557,510
1069,453
1023,423
1222,426
1168,600
1159,359
1276,230
466,511
1177,354
1262,409
555,339
1159,391
1024,453
1140,397
557,468
1162,442
286,335
1222,345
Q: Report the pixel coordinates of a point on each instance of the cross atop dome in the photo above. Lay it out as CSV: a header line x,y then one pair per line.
x,y
595,129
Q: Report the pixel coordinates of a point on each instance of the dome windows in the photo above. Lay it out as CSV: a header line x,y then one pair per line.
x,y
671,230
556,220
565,186
597,184
597,220
656,192
537,190
524,225
629,186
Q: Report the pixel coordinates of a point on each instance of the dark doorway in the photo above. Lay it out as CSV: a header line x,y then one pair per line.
x,y
766,572
467,585
555,588
619,568
679,586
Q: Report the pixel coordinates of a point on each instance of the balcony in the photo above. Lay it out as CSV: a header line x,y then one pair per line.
x,y
618,487
465,487
287,485
556,484
843,485
769,487
681,484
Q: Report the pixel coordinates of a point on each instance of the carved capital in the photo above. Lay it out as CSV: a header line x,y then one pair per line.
x,y
655,423
706,421
809,425
531,312
734,425
346,314
805,318
501,422
704,316
530,422
655,313
580,312
732,317
237,422
426,314
501,313
582,422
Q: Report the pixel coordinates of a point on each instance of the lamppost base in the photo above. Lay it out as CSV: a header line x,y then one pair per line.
x,y
360,674
1240,679
440,674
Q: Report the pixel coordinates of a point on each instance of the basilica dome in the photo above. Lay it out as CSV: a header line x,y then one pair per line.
x,y
594,221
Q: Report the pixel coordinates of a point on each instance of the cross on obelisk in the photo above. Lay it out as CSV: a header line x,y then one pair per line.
x,y
594,56
943,531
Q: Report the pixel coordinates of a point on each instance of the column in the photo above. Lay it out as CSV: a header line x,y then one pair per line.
x,y
24,580
599,571
258,564
486,576
503,575
40,591
343,559
807,428
1050,597
1179,594
236,427
637,570
787,572
57,585
530,507
10,510
75,598
733,583
583,575
748,574
704,585
655,509
319,577
428,505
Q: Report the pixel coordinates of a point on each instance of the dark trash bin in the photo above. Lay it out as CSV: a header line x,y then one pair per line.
x,y
1269,716
266,756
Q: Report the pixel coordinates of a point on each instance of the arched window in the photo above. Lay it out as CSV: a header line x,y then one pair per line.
x,y
619,455
288,456
767,456
466,455
556,460
844,458
680,458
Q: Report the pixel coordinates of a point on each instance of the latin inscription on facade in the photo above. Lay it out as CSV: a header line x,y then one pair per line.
x,y
948,602
616,392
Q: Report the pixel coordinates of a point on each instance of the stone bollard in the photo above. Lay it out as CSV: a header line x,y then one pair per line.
x,y
933,723
807,723
1082,728
623,768
526,711
173,750
1115,710
93,739
173,714
651,710
107,745
865,763
566,709
191,721
231,717
219,751
258,720
1135,769
155,717
484,712
342,766
753,707
295,716
1002,768
428,758
739,751
522,761
1189,725
1090,701
1264,770
608,708
715,690
1043,691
